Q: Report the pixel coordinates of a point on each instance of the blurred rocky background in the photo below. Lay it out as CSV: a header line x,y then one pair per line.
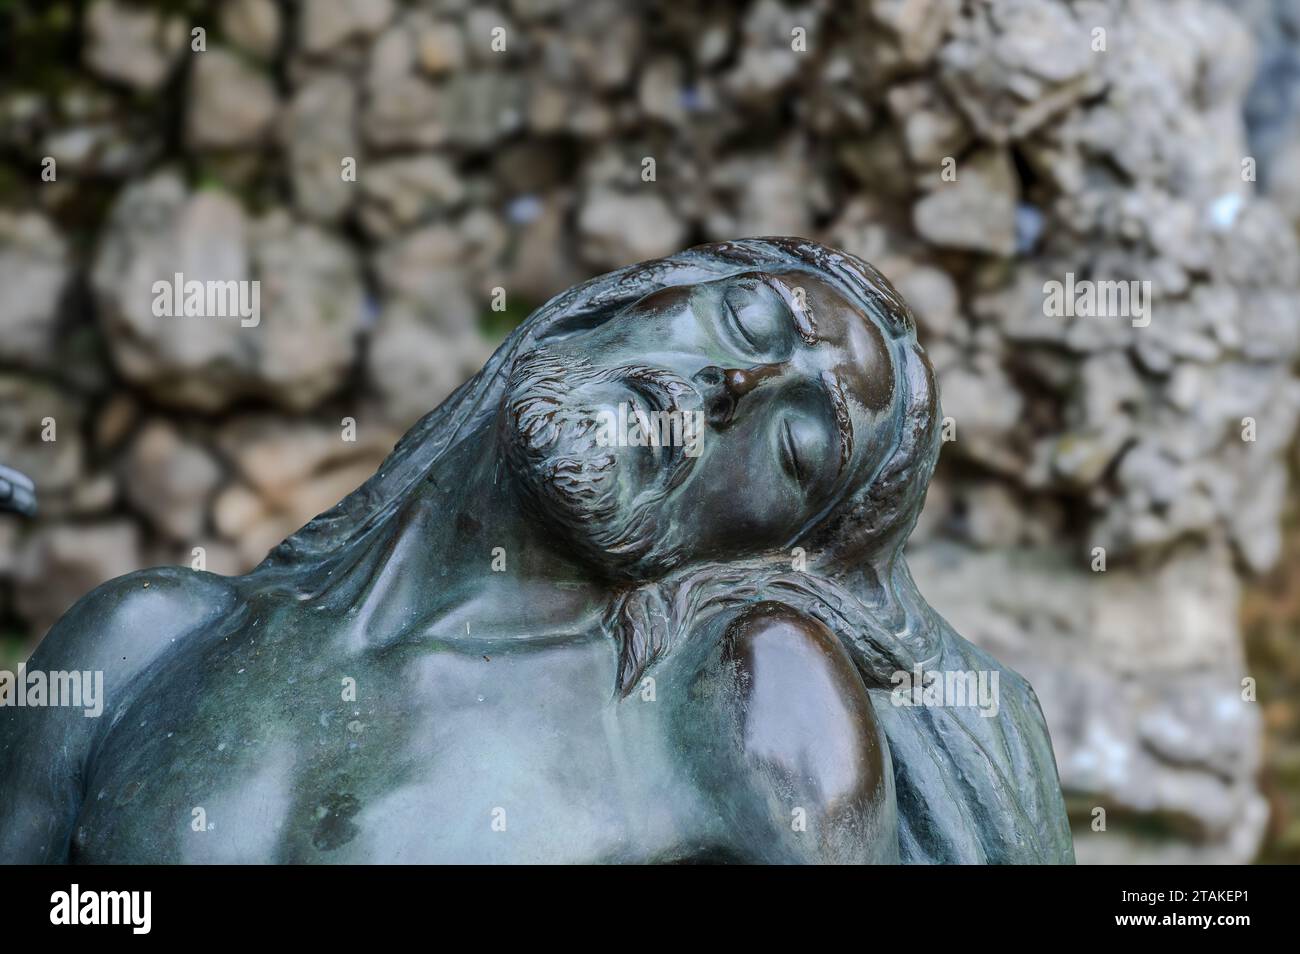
x,y
1154,141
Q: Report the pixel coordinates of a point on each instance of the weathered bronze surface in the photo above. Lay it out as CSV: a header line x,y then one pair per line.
x,y
518,643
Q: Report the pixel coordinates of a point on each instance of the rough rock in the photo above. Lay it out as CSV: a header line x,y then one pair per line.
x,y
134,46
976,212
327,24
34,272
170,480
415,364
404,112
400,193
289,473
618,228
440,48
232,104
319,133
1013,64
310,291
252,25
434,270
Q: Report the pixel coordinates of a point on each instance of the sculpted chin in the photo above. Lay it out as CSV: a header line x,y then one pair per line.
x,y
520,642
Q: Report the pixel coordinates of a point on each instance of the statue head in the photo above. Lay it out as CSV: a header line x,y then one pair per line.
x,y
723,417
807,418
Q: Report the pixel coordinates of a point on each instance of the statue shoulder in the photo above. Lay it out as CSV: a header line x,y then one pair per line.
x,y
799,735
123,625
117,630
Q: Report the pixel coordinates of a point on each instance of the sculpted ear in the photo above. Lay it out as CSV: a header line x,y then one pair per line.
x,y
808,730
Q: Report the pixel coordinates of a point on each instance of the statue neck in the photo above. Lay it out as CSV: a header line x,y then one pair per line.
x,y
459,558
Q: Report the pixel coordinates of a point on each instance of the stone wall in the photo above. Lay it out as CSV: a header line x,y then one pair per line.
x,y
972,150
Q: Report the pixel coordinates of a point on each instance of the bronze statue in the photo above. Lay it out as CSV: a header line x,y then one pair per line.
x,y
634,593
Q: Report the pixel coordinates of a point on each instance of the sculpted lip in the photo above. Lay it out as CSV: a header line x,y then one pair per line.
x,y
648,395
658,391
662,390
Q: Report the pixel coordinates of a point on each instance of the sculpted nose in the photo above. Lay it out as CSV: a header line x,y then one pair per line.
x,y
722,389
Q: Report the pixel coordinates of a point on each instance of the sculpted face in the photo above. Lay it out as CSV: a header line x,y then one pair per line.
x,y
773,388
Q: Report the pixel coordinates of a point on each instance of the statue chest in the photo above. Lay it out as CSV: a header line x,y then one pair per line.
x,y
254,749
257,744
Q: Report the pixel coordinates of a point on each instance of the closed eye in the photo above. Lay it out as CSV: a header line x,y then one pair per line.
x,y
738,326
758,319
